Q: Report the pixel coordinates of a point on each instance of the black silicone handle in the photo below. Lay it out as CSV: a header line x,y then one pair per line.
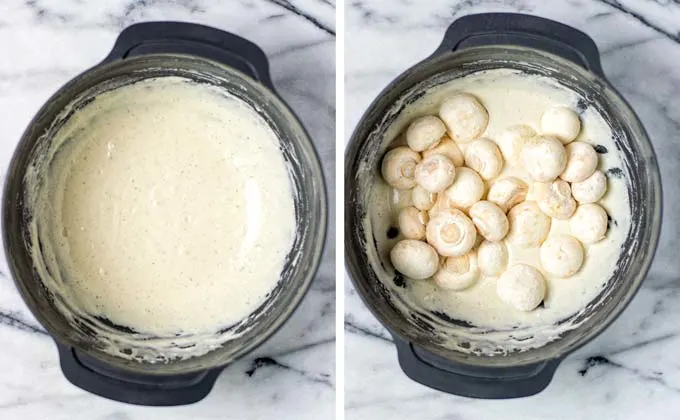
x,y
476,382
193,39
522,30
101,379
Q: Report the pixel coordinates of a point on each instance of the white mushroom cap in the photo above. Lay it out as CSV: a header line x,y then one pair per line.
x,y
544,158
562,123
441,204
589,223
464,116
511,141
457,273
492,257
591,189
491,221
414,259
529,226
522,287
485,157
424,133
467,189
451,233
412,223
507,192
448,148
422,199
399,168
554,199
435,173
561,255
581,161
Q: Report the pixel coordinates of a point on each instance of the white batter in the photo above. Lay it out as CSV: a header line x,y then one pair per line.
x,y
511,98
164,206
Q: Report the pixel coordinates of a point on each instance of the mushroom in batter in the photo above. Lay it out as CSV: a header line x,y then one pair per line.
x,y
399,168
561,255
435,173
554,199
512,140
485,158
561,122
451,233
589,223
591,189
522,287
490,220
466,190
544,158
412,223
422,199
581,162
424,133
465,117
457,273
529,226
414,259
448,148
492,257
507,192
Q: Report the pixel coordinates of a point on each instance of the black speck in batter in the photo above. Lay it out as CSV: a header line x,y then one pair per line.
x,y
399,280
581,105
600,149
392,232
615,172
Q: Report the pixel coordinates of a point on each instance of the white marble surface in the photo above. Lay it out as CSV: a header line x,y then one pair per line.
x,y
44,43
629,372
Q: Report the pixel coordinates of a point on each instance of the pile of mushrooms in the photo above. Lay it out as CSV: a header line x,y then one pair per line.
x,y
463,214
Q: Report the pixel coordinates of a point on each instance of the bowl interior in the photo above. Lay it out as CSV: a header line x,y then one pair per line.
x,y
453,339
301,262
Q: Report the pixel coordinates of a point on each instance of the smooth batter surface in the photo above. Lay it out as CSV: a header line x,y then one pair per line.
x,y
164,206
511,98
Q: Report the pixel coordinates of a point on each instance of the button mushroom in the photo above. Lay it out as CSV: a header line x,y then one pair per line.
x,y
492,257
529,226
466,190
589,223
507,192
522,287
464,116
490,220
581,162
554,199
399,168
422,199
562,123
544,158
414,259
451,233
435,173
591,189
561,255
483,156
424,133
448,148
511,141
412,223
457,273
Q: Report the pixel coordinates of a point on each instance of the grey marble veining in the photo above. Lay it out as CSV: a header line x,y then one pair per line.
x,y
630,371
44,43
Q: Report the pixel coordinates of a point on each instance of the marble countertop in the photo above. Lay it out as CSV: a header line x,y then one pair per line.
x,y
43,44
630,371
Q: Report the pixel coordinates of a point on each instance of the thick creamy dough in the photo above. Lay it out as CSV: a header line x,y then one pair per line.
x,y
164,206
511,98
